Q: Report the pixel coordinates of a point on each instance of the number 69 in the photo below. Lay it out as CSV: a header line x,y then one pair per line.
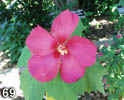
x,y
8,92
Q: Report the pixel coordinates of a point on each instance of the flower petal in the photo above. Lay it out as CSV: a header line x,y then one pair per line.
x,y
71,70
44,68
40,42
63,25
83,49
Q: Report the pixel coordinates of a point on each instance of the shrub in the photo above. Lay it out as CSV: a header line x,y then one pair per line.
x,y
12,37
16,21
113,57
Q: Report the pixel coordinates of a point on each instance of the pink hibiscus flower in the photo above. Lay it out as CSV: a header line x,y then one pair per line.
x,y
58,52
118,51
119,36
106,44
99,54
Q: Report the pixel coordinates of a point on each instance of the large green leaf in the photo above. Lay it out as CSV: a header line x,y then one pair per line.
x,y
33,90
79,29
93,78
23,59
60,90
92,81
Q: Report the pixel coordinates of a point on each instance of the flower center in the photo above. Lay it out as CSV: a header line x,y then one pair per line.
x,y
62,50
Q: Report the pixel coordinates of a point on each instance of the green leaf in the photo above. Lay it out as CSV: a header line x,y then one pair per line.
x,y
60,90
93,78
79,29
23,59
92,81
33,90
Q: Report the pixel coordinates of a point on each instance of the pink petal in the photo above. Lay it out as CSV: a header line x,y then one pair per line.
x,y
63,25
119,36
104,81
106,44
44,68
83,49
40,42
100,54
71,70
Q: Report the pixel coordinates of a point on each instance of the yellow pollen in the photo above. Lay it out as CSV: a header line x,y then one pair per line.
x,y
62,50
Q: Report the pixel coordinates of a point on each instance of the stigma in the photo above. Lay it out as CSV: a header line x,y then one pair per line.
x,y
62,50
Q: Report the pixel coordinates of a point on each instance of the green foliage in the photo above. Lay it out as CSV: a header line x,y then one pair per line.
x,y
120,25
12,37
93,78
4,13
64,4
87,83
113,57
33,90
106,7
16,21
25,54
36,11
79,29
91,81
99,7
85,22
